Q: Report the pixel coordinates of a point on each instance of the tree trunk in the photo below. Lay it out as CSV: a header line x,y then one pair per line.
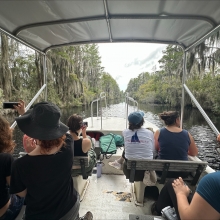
x,y
5,73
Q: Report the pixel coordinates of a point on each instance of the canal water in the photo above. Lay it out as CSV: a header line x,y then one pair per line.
x,y
193,121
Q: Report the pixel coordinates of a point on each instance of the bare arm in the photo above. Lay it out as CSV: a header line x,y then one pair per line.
x,y
8,178
218,137
193,150
197,209
22,193
156,136
86,145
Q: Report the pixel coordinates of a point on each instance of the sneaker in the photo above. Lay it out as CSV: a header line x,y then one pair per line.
x,y
87,216
115,164
153,209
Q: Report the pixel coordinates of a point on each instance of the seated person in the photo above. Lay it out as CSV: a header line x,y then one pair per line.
x,y
204,204
138,143
173,142
82,146
10,205
43,176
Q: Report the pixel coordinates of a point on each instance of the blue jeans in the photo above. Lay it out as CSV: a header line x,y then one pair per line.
x,y
14,208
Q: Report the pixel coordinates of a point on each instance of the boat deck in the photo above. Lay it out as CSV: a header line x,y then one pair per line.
x,y
101,198
112,124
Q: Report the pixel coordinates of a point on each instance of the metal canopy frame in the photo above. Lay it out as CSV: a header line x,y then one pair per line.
x,y
110,17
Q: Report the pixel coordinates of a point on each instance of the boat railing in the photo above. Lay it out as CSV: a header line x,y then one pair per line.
x,y
31,102
101,96
135,103
201,110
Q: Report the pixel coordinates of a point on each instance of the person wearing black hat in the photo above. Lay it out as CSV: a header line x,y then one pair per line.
x,y
43,176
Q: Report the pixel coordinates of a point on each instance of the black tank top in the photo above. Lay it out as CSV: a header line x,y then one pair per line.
x,y
78,148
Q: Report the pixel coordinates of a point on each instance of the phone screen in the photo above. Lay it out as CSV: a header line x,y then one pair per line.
x,y
85,123
9,104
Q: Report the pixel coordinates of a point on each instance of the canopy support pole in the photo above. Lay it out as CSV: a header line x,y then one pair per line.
x,y
21,41
203,38
45,75
183,91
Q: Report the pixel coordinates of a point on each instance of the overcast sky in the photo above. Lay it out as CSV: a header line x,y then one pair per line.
x,y
124,61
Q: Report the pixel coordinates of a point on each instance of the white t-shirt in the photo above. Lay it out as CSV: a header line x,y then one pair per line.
x,y
139,144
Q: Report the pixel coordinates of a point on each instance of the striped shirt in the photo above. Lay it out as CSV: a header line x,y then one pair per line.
x,y
139,144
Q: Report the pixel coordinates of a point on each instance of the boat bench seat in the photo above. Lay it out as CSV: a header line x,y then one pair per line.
x,y
195,168
81,182
81,162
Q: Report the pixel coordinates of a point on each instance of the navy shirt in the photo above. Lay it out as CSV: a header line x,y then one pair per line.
x,y
209,189
173,145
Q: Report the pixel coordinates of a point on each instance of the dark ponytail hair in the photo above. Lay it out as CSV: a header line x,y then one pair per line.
x,y
169,117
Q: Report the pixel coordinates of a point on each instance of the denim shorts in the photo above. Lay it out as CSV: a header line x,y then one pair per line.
x,y
14,208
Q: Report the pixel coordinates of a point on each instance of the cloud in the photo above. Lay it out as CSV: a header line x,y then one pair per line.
x,y
124,61
152,56
118,77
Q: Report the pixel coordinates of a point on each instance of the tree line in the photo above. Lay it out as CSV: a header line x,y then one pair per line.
x,y
165,85
74,74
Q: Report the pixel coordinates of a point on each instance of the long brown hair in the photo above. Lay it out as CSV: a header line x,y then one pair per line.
x,y
6,142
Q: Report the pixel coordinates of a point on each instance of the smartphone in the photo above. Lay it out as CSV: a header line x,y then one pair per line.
x,y
85,123
9,104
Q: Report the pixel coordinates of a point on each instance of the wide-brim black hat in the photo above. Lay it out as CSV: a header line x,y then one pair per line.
x,y
42,122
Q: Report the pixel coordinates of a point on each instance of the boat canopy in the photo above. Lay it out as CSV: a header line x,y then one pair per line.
x,y
47,24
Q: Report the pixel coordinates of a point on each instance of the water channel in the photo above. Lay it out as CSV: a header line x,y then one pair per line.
x,y
193,121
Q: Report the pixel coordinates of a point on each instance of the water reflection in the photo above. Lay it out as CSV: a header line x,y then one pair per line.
x,y
193,122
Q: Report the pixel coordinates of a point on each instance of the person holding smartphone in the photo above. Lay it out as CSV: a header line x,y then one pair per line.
x,y
10,205
82,144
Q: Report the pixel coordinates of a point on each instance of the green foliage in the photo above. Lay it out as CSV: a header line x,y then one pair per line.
x,y
165,86
110,86
74,74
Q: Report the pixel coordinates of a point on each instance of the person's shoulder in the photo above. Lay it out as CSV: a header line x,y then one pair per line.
x,y
211,178
6,155
69,139
125,130
86,140
20,161
145,130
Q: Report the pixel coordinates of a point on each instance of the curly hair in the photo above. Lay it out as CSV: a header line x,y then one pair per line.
x,y
138,126
169,117
6,142
46,145
74,122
